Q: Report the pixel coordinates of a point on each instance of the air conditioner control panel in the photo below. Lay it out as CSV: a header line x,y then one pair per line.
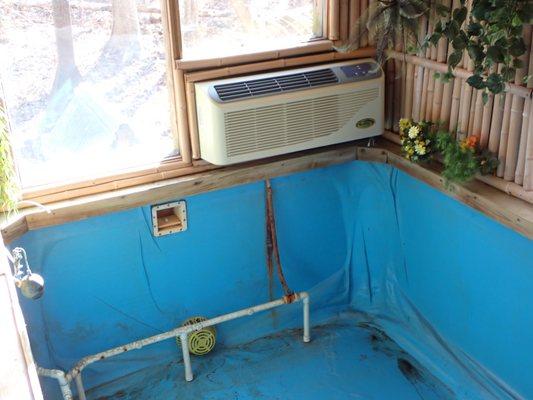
x,y
360,71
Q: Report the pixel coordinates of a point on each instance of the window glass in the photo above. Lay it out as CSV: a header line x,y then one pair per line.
x,y
85,86
215,28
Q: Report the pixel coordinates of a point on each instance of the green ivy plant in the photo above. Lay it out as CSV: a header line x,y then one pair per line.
x,y
8,186
491,36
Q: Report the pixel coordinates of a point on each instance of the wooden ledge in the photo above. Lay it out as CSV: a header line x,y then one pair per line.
x,y
513,212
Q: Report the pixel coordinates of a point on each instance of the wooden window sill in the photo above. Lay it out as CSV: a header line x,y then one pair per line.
x,y
513,212
315,46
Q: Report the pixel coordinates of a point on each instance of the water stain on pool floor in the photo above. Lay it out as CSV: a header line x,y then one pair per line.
x,y
346,359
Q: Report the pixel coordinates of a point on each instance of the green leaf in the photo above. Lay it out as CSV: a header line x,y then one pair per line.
x,y
518,63
495,83
455,58
508,73
516,21
442,10
517,47
495,53
476,52
451,30
485,97
459,15
473,29
434,39
447,77
460,42
476,81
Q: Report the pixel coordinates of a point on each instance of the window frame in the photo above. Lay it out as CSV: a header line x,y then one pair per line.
x,y
183,108
314,44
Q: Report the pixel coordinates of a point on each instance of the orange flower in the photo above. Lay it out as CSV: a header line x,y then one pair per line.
x,y
472,141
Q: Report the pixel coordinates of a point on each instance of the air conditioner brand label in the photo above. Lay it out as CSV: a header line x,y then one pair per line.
x,y
365,123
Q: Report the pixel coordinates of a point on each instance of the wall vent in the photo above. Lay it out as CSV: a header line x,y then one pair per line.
x,y
270,127
283,83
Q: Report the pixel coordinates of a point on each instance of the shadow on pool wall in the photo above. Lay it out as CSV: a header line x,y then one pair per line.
x,y
449,285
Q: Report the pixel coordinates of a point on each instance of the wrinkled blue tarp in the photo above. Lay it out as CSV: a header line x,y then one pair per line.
x,y
449,285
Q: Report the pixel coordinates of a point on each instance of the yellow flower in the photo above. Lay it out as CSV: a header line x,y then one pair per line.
x,y
420,149
404,123
414,131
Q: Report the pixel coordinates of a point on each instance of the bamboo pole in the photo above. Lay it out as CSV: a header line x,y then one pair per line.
x,y
426,79
458,72
183,126
442,52
504,134
464,109
486,119
517,108
476,114
307,48
447,91
496,124
354,17
193,121
333,20
419,73
477,120
431,78
466,91
277,64
397,91
344,20
389,97
528,167
408,95
526,129
438,85
363,7
172,37
520,165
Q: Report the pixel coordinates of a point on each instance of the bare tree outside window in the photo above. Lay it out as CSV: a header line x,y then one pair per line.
x,y
212,28
85,86
66,63
124,44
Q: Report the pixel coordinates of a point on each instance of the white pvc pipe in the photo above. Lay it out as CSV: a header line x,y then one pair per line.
x,y
79,387
180,332
61,379
307,333
186,357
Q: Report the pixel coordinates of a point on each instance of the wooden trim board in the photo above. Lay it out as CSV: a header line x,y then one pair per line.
x,y
515,213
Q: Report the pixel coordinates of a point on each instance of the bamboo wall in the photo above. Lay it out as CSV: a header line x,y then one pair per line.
x,y
504,125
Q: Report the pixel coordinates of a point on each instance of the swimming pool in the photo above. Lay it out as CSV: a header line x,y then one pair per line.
x,y
413,294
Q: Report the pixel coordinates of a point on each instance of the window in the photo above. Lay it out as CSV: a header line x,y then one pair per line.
x,y
215,28
85,86
85,82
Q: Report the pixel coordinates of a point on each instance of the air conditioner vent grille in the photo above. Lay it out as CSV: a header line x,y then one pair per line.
x,y
283,83
275,126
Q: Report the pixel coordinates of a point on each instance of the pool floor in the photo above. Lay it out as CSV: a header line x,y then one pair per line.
x,y
346,359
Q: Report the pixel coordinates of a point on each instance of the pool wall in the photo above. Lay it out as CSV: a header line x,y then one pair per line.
x,y
447,283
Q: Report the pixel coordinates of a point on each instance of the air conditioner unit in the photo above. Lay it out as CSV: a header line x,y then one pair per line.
x,y
257,116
